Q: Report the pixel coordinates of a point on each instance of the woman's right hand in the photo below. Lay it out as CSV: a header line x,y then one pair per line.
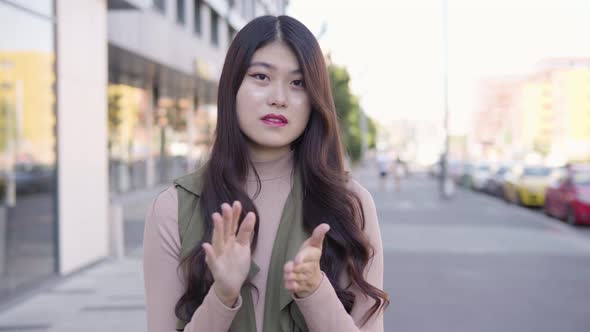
x,y
228,254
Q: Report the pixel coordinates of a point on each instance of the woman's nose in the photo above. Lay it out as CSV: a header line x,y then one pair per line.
x,y
278,96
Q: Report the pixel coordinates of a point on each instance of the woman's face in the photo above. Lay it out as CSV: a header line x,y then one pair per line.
x,y
272,103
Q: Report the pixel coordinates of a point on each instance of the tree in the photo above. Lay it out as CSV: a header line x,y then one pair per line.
x,y
349,112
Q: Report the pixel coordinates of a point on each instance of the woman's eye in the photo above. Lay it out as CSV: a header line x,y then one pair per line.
x,y
298,83
261,77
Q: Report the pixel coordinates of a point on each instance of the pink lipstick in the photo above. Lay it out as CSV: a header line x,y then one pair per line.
x,y
275,120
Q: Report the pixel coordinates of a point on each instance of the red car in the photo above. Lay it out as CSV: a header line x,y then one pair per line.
x,y
569,198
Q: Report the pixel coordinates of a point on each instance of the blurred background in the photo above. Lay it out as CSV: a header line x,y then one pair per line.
x,y
467,120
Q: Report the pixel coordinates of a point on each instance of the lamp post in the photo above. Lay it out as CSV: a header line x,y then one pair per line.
x,y
446,185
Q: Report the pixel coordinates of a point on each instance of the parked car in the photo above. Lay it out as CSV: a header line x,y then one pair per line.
x,y
480,175
511,184
569,197
495,184
465,175
31,178
455,169
532,185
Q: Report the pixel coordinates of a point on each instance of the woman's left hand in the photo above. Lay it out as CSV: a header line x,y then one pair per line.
x,y
303,275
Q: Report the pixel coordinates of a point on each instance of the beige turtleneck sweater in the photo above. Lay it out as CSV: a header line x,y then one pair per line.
x,y
164,284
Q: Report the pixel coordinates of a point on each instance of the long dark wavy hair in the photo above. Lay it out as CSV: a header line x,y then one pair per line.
x,y
318,157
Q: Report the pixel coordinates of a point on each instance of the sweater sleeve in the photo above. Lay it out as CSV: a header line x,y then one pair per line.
x,y
164,283
322,309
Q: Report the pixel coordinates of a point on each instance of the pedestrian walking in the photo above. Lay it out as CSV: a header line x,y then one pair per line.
x,y
383,167
271,234
398,173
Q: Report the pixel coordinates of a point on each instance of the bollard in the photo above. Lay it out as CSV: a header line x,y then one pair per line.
x,y
3,236
117,239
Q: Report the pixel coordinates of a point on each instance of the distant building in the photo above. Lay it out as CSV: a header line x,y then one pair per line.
x,y
546,112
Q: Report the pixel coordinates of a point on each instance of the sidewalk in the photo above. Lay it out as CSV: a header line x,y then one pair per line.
x,y
107,296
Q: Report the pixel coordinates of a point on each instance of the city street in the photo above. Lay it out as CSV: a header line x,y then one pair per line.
x,y
104,103
476,263
470,264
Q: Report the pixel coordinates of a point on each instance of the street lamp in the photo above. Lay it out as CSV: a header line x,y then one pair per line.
x,y
446,185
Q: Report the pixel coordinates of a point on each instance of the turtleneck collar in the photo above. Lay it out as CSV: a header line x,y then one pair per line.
x,y
273,169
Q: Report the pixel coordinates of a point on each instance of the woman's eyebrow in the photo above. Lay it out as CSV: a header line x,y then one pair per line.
x,y
272,67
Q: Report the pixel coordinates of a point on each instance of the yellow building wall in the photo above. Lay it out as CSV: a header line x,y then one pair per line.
x,y
33,74
577,101
531,107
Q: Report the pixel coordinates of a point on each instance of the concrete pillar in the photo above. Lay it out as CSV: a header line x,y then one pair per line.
x,y
116,232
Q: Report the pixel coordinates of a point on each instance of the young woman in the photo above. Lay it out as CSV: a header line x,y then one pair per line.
x,y
271,234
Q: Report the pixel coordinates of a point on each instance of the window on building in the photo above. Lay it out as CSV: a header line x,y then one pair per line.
x,y
160,5
197,16
214,28
28,141
180,11
231,33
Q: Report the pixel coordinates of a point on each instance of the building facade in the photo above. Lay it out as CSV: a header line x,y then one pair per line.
x,y
28,144
99,98
546,113
164,63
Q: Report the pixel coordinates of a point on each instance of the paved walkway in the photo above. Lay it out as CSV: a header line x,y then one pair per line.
x,y
107,296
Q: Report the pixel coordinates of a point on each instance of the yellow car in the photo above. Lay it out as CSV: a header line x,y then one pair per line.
x,y
532,185
511,184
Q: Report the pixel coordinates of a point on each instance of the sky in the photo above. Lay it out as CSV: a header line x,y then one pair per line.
x,y
393,49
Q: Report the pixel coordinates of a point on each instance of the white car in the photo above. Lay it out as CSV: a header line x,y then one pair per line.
x,y
480,175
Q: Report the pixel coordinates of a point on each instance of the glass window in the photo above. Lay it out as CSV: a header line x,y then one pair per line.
x,y
537,171
214,28
129,141
160,5
483,168
170,138
41,7
582,177
27,148
180,11
231,33
197,16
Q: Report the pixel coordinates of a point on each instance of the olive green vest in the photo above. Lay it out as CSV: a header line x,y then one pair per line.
x,y
281,313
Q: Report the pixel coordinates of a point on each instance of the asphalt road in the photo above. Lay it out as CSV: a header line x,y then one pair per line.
x,y
475,263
